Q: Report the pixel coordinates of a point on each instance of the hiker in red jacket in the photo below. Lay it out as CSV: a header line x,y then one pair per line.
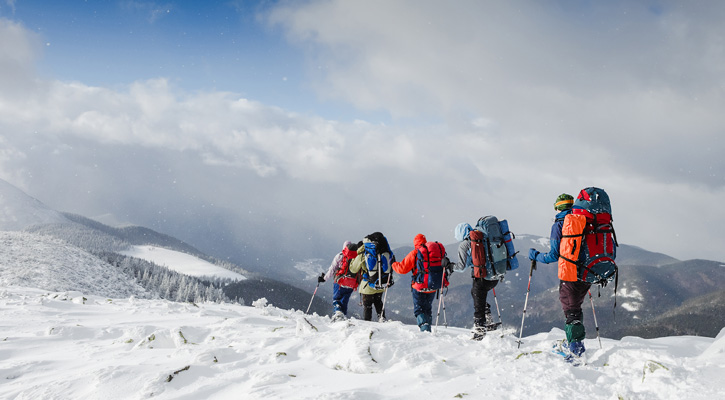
x,y
425,262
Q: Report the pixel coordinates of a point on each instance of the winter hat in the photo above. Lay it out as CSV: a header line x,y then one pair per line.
x,y
346,244
563,202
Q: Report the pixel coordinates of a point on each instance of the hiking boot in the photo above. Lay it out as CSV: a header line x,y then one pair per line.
x,y
576,348
572,352
425,327
488,316
338,316
479,332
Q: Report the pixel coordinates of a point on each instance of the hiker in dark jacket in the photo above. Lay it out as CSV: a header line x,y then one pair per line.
x,y
482,319
571,293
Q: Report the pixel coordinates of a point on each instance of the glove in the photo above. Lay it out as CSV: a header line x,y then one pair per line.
x,y
449,268
321,278
533,253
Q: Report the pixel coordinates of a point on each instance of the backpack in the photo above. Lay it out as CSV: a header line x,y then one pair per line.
x,y
478,253
497,246
588,242
378,260
343,277
429,273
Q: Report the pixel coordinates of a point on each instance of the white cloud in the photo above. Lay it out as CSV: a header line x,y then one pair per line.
x,y
529,104
597,74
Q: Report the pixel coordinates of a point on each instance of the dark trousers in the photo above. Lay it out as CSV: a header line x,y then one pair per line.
x,y
571,296
370,300
479,291
340,297
423,305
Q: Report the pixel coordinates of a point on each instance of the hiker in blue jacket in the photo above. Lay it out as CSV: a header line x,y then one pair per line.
x,y
562,204
571,293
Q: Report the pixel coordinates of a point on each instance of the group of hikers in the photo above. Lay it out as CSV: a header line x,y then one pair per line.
x,y
582,243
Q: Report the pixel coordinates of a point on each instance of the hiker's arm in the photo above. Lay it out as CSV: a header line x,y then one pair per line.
x,y
463,250
407,264
553,254
333,267
357,263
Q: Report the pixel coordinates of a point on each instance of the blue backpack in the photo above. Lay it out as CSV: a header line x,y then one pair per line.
x,y
499,247
378,260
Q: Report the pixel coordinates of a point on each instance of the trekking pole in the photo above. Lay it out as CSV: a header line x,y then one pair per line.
x,y
526,302
313,297
385,296
495,300
595,319
440,300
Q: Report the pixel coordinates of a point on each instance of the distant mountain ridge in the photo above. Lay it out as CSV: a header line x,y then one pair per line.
x,y
657,294
92,251
19,211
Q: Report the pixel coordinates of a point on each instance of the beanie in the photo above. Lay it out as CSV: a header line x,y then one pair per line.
x,y
563,202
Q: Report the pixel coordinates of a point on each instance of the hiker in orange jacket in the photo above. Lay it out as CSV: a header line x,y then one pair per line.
x,y
426,263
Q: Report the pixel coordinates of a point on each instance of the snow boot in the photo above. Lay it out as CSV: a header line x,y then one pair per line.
x,y
338,316
479,332
576,348
572,352
423,322
489,324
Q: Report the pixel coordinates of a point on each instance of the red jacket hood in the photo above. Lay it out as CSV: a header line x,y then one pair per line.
x,y
419,240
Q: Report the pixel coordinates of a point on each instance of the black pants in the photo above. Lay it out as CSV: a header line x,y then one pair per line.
x,y
479,291
370,300
571,296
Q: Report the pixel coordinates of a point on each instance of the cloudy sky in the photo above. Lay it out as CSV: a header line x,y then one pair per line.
x,y
252,122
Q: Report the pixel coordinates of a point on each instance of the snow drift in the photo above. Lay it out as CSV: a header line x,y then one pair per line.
x,y
63,346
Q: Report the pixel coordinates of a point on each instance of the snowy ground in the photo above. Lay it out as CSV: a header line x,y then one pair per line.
x,y
69,345
181,262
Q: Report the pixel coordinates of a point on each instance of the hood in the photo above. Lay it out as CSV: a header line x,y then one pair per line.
x,y
462,231
419,240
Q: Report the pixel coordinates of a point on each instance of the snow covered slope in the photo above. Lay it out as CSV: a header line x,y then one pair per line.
x,y
58,346
38,261
19,211
180,262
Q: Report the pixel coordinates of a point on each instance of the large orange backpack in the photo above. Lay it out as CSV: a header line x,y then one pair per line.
x,y
588,242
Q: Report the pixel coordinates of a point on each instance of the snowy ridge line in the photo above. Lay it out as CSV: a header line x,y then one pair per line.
x,y
72,345
33,260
